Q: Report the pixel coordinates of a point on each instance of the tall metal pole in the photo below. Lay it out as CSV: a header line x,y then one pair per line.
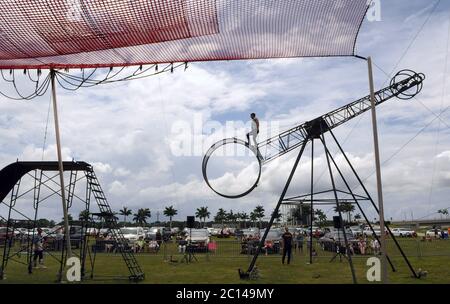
x,y
283,194
384,272
60,162
310,240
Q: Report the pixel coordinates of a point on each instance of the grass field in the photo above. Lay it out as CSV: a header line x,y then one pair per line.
x,y
222,267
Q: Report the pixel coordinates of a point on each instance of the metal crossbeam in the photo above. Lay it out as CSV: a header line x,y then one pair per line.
x,y
289,140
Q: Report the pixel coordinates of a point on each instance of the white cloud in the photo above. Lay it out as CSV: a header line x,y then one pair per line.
x,y
102,168
124,129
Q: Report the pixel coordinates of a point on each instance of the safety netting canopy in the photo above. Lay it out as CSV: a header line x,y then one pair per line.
x,y
105,33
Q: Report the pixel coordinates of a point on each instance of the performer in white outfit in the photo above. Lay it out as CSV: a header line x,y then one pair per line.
x,y
255,129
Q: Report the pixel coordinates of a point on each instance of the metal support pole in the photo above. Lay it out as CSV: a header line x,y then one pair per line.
x,y
61,169
347,246
283,194
361,184
384,272
356,202
312,197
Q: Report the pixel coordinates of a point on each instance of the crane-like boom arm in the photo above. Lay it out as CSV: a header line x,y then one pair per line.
x,y
291,139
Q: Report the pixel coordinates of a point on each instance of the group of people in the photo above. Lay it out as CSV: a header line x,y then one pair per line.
x,y
140,245
364,245
290,240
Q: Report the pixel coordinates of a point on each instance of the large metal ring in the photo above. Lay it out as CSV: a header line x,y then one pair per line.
x,y
406,84
219,144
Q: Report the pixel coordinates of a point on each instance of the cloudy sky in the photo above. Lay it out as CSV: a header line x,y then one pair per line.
x,y
132,132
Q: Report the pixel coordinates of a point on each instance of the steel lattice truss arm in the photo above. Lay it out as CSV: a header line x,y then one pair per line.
x,y
274,147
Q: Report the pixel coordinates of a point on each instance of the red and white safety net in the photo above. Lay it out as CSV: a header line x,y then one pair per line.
x,y
97,33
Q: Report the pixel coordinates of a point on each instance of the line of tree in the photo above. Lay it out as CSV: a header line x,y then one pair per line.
x,y
301,215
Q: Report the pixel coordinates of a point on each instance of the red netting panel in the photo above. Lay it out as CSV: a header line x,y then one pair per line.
x,y
91,33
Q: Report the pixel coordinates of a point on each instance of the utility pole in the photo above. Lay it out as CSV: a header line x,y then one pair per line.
x,y
60,163
384,274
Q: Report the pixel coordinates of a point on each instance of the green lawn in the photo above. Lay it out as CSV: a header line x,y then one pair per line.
x,y
222,266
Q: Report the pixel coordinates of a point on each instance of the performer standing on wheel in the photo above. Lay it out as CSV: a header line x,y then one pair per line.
x,y
255,129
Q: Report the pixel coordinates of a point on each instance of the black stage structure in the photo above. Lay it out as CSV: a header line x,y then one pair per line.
x,y
38,179
405,85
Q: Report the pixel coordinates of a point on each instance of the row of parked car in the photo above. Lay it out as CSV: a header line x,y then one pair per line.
x,y
24,233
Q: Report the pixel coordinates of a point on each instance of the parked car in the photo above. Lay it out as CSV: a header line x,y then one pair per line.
x,y
274,235
368,232
212,231
132,234
273,240
4,231
198,238
165,233
356,231
104,231
403,232
317,232
251,233
433,233
224,233
331,240
92,231
32,232
55,234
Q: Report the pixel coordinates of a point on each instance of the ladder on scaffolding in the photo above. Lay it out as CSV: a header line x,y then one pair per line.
x,y
136,273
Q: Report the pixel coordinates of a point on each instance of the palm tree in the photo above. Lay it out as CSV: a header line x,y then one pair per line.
x,y
170,212
141,216
231,217
244,217
345,207
253,217
358,217
277,216
301,213
259,213
125,212
321,217
221,216
202,213
84,216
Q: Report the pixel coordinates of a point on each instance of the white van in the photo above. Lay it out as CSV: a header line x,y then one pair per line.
x,y
132,234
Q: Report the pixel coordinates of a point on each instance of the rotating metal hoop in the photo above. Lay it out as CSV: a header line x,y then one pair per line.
x,y
402,82
222,143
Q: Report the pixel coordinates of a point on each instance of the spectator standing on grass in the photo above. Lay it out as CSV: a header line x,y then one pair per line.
x,y
38,249
153,246
287,245
308,242
158,237
362,245
139,244
182,245
299,242
268,246
375,246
